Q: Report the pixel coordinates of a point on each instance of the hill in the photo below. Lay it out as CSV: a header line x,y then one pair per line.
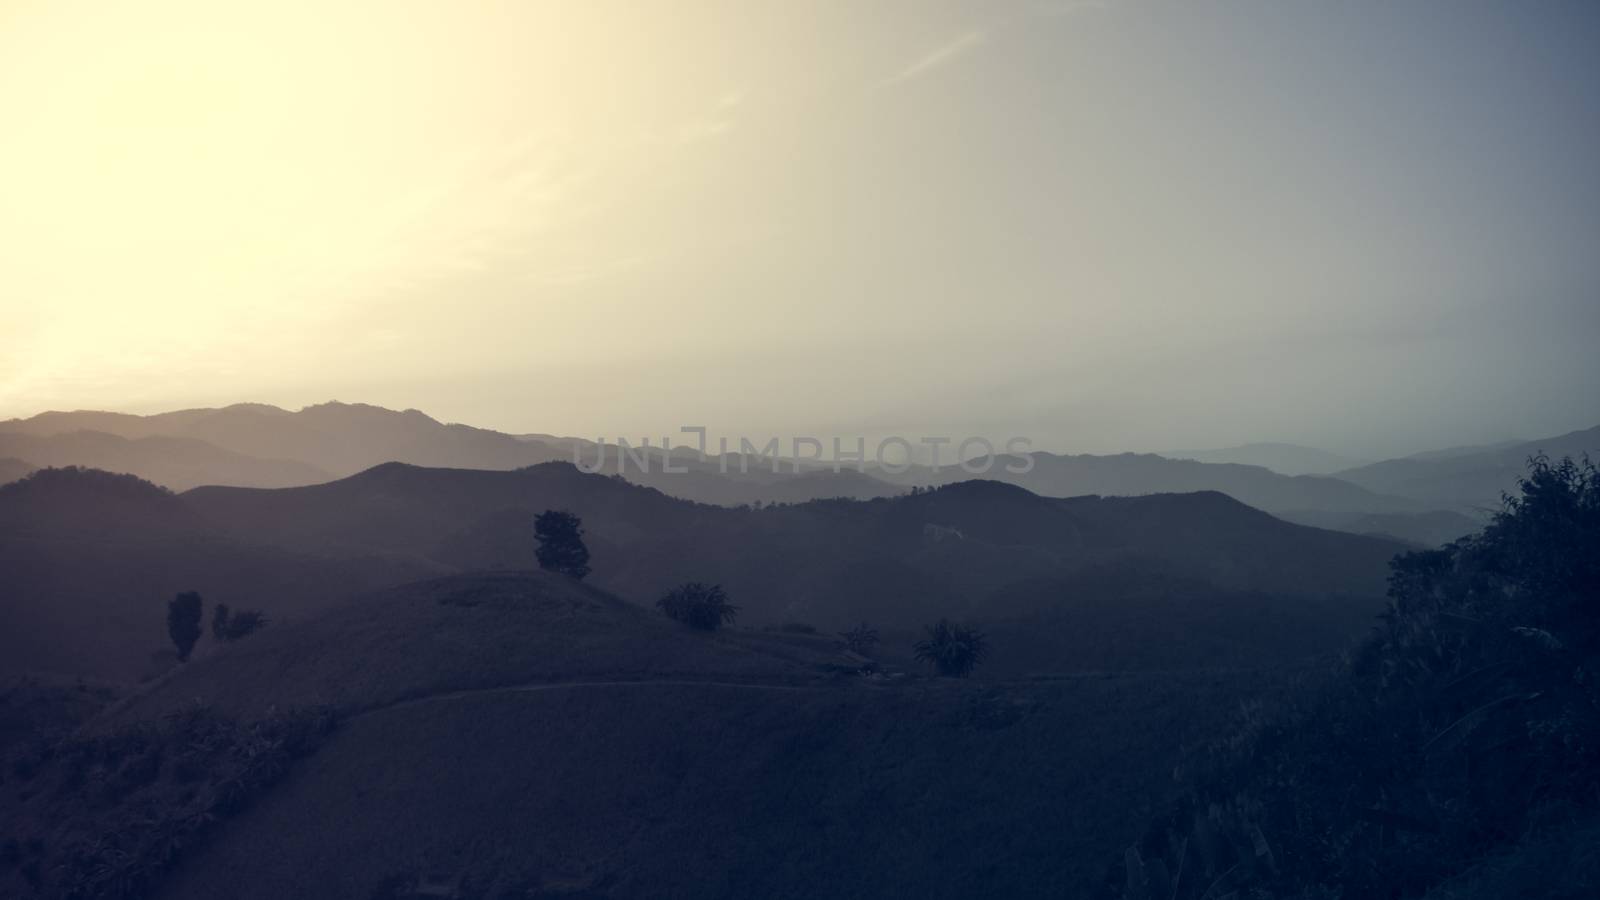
x,y
1468,480
903,560
178,463
1142,473
90,559
520,735
1285,459
222,446
12,469
93,583
337,438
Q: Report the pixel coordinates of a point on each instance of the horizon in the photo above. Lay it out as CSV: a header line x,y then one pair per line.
x,y
1107,226
683,440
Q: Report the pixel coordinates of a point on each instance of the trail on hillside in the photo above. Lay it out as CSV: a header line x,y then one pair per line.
x,y
537,686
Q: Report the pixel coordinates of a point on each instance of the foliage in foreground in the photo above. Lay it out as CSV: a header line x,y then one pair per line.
x,y
1464,735
104,816
700,606
953,650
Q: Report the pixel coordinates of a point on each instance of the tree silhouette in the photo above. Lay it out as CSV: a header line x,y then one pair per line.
x,y
561,548
698,606
862,639
219,622
953,650
183,622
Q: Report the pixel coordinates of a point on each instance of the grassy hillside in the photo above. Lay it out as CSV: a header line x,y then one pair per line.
x,y
471,631
517,735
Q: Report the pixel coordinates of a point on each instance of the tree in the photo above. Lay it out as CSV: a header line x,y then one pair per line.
x,y
698,606
561,548
183,622
862,639
219,622
953,650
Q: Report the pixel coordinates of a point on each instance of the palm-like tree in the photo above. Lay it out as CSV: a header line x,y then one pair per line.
x,y
953,650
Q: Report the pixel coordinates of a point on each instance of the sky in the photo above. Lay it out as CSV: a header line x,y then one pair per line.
x,y
1369,227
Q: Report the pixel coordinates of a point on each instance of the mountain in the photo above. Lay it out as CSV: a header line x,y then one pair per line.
x,y
12,469
224,446
89,559
1285,459
1429,529
178,463
341,438
1132,474
521,735
826,560
1464,479
1249,585
77,547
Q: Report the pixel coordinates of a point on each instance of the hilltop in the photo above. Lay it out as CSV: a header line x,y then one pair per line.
x,y
519,734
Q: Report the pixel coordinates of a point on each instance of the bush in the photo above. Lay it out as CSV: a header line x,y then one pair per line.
x,y
698,606
953,650
227,626
561,547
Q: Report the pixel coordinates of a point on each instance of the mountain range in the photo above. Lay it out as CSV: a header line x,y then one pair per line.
x,y
1426,498
89,558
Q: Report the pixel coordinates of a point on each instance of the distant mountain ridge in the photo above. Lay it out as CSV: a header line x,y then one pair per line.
x,y
1285,459
12,469
254,444
1466,480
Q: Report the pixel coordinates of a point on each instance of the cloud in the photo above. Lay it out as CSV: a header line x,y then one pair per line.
x,y
933,59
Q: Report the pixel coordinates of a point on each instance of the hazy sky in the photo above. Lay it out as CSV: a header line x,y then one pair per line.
x,y
1373,227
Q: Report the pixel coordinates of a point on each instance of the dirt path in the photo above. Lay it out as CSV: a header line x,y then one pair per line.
x,y
537,686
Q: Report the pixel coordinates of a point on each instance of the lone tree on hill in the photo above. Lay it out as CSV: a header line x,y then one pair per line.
x,y
953,650
183,622
561,548
698,606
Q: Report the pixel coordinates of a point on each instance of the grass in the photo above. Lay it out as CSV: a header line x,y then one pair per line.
x,y
520,734
930,788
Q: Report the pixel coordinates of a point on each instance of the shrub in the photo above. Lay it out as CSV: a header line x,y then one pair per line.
x,y
244,623
862,639
953,650
183,622
561,547
698,606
